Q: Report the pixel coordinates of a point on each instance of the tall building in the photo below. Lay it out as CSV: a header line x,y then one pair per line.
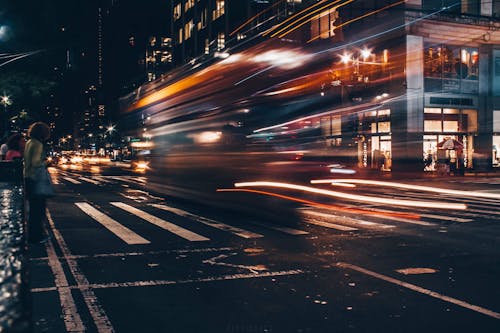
x,y
204,27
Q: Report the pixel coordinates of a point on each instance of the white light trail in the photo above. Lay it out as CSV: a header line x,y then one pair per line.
x,y
410,187
364,198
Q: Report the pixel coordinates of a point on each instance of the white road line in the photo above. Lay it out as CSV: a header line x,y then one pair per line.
x,y
421,290
124,233
330,225
207,279
175,229
286,230
88,180
101,179
138,254
221,226
392,218
97,313
446,218
349,220
72,320
71,180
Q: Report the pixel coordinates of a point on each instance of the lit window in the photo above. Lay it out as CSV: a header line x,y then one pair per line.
x,y
177,11
188,28
188,5
207,46
152,41
221,41
432,126
219,9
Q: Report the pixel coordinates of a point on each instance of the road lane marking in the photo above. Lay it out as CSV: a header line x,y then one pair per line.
x,y
349,220
154,283
393,218
101,179
72,320
221,226
124,233
286,230
447,218
421,290
175,229
97,313
330,225
71,180
88,180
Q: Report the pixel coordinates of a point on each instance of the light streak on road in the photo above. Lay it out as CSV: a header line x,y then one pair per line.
x,y
362,198
410,187
352,210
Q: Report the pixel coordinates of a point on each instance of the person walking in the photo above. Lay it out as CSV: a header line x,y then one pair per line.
x,y
15,147
34,157
3,150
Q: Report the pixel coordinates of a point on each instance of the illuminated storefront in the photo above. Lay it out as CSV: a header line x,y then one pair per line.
x,y
495,156
442,124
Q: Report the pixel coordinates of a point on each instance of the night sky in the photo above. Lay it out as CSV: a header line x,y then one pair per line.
x,y
69,27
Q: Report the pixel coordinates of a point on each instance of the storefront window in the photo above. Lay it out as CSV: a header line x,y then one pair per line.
x,y
450,120
451,68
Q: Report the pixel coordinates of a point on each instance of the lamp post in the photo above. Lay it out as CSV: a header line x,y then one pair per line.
x,y
5,100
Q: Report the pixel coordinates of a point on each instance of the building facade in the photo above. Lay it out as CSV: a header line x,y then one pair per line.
x,y
434,68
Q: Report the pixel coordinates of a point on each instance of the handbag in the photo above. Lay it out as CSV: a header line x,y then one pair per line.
x,y
43,184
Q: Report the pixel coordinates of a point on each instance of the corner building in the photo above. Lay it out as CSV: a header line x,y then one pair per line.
x,y
434,66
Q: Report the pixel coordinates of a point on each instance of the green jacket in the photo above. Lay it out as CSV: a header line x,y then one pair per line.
x,y
33,157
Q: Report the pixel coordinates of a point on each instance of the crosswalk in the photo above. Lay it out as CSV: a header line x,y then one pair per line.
x,y
343,217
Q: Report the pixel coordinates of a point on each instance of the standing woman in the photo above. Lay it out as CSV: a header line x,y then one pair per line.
x,y
34,157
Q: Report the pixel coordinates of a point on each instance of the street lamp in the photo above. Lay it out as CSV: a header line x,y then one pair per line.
x,y
5,100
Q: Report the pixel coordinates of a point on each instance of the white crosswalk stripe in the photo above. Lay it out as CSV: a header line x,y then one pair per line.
x,y
89,180
175,229
221,226
71,180
124,233
345,220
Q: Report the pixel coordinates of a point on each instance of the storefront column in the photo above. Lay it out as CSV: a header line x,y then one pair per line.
x,y
483,142
407,118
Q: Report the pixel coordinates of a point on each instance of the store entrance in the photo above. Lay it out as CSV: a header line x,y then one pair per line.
x,y
447,153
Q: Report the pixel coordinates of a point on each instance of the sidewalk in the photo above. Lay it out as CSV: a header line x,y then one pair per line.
x,y
14,292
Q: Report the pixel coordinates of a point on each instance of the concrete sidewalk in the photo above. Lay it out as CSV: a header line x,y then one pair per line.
x,y
14,290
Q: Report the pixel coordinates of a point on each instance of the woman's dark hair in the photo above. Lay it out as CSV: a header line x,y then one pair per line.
x,y
14,141
39,131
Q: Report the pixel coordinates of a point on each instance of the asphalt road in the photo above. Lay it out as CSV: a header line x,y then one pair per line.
x,y
126,257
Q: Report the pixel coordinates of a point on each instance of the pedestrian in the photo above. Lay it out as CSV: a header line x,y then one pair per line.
x,y
3,150
34,157
15,147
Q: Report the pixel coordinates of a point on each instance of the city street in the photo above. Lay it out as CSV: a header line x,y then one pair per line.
x,y
126,258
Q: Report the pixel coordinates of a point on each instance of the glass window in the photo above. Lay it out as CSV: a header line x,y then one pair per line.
x,y
219,9
177,11
450,126
221,41
336,125
432,126
188,28
469,121
384,127
451,68
496,121
432,110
